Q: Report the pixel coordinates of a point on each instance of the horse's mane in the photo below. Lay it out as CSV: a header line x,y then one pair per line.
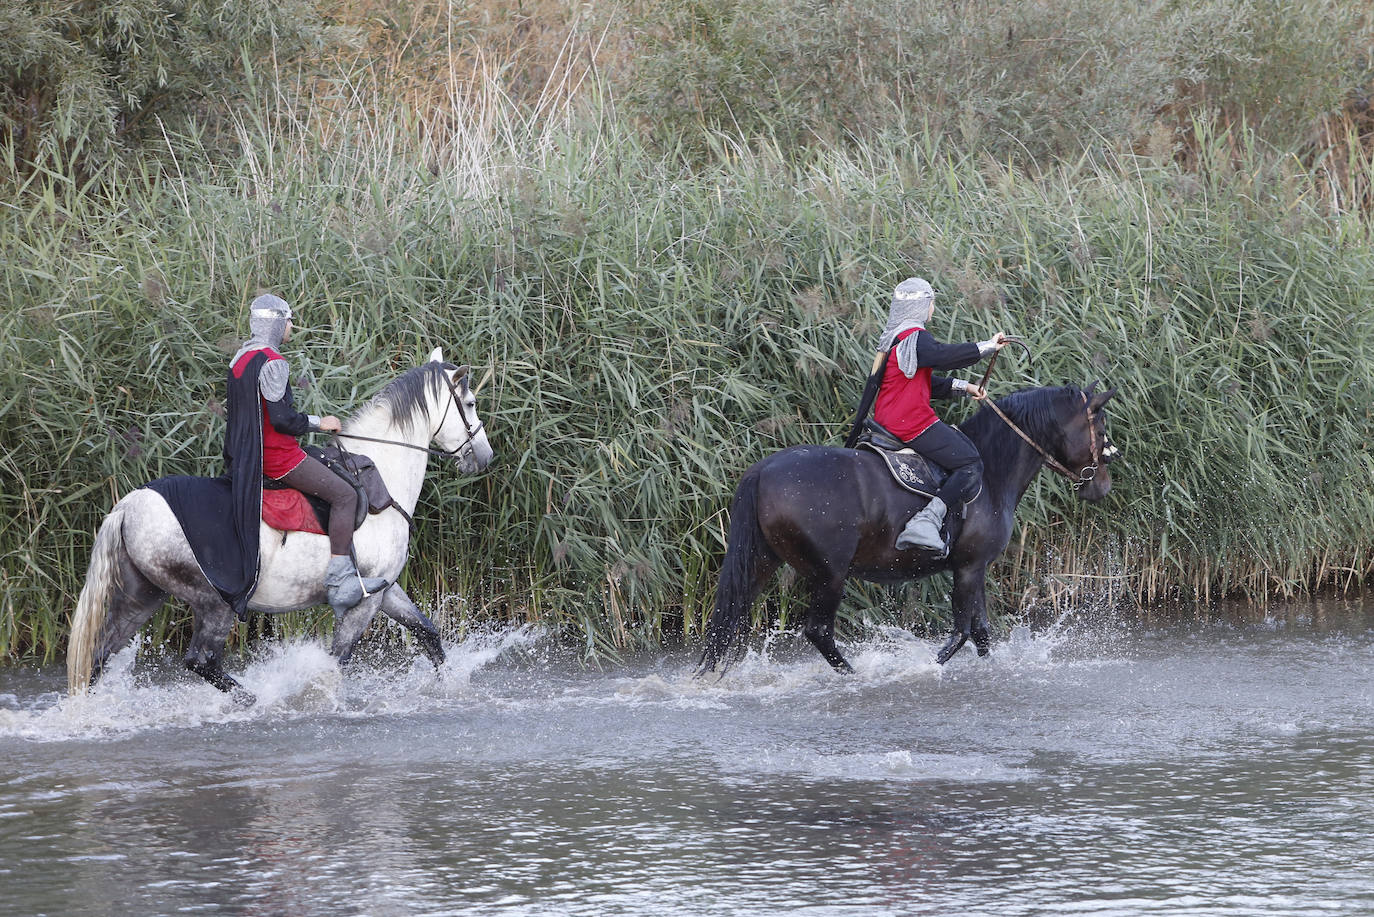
x,y
405,397
1035,410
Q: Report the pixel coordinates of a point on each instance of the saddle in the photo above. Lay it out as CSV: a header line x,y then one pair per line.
x,y
289,510
911,470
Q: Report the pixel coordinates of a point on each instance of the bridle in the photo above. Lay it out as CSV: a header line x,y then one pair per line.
x,y
459,452
1088,472
469,443
1101,454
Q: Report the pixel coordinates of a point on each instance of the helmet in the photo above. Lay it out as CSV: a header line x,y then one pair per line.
x,y
267,317
912,303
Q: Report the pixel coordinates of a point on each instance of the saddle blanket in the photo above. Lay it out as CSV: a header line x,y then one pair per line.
x,y
202,504
910,469
289,511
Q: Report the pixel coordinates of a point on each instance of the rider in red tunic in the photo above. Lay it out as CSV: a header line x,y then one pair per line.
x,y
903,405
262,444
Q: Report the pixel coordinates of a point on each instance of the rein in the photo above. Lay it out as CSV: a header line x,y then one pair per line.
x,y
468,445
992,360
395,442
1077,480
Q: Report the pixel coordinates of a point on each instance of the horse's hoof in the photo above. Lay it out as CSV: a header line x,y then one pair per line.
x,y
952,646
433,651
242,699
982,640
216,676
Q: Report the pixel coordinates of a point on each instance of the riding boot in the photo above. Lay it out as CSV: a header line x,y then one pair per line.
x,y
923,531
346,587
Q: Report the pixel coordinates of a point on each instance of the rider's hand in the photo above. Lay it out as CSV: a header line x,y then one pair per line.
x,y
992,345
330,424
976,392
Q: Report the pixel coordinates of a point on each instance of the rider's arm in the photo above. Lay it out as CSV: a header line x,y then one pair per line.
x,y
947,387
939,356
281,404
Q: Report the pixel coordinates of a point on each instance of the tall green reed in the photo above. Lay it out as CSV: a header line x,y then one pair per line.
x,y
642,333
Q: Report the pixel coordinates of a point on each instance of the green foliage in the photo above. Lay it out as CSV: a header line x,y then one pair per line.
x,y
79,80
644,330
643,333
1027,80
1281,64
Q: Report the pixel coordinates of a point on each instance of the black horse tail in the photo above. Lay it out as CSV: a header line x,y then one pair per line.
x,y
737,587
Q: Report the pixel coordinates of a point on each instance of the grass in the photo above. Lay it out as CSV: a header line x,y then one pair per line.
x,y
643,331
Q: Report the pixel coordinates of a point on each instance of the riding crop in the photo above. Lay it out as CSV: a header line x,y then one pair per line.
x,y
993,359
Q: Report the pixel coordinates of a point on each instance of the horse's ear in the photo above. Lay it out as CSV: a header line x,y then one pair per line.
x,y
1097,401
462,373
437,356
1088,392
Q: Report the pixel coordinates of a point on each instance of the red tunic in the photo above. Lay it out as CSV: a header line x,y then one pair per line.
x,y
280,451
903,404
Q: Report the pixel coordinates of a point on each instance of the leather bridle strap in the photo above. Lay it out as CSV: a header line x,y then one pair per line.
x,y
467,445
1077,480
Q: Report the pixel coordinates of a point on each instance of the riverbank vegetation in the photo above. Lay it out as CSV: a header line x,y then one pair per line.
x,y
665,239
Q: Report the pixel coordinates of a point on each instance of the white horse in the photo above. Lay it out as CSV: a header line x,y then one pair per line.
x,y
141,555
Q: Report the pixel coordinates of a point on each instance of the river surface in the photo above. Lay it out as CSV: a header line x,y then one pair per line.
x,y
1216,767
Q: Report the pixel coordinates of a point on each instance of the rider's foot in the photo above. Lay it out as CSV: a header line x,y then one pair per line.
x,y
346,587
923,531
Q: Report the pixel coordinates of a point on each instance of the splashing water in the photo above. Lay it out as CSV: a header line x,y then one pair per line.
x,y
1093,766
291,679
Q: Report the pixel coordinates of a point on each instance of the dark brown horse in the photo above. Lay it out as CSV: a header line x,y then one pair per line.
x,y
833,514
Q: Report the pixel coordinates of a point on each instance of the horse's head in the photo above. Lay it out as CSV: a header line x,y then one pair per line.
x,y
1087,451
461,433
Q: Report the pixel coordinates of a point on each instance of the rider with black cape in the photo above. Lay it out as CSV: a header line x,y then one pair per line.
x,y
263,426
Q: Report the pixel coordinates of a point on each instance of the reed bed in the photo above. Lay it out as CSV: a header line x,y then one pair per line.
x,y
642,332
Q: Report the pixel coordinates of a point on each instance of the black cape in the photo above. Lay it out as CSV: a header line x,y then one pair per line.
x,y
222,517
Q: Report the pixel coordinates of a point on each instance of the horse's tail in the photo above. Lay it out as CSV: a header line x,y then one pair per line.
x,y
88,620
736,588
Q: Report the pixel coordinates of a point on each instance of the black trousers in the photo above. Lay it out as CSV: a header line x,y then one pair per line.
x,y
311,477
953,451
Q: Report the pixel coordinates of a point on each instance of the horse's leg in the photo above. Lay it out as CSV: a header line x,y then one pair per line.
x,y
953,645
820,621
132,602
214,621
970,613
348,629
399,608
981,627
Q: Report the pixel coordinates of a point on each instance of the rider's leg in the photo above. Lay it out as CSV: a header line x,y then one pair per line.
x,y
312,477
346,587
952,450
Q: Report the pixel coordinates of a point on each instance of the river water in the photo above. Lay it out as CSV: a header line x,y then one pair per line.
x,y
1123,768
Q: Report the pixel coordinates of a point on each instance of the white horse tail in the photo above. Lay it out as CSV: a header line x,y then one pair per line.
x,y
88,620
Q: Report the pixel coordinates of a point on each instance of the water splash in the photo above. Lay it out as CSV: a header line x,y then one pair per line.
x,y
784,664
524,666
117,704
285,680
889,766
